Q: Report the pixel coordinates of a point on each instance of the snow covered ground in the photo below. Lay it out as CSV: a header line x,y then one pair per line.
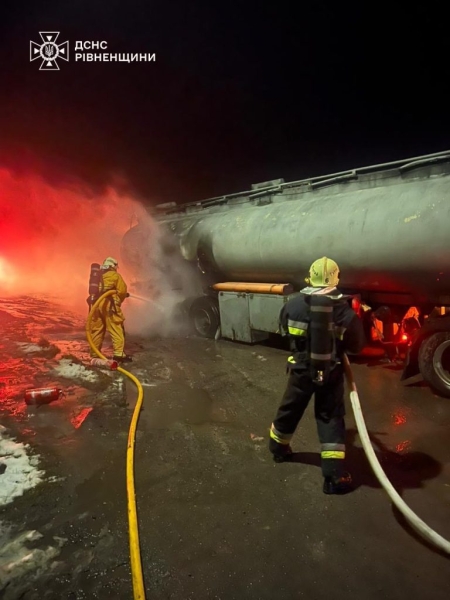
x,y
19,472
44,345
19,469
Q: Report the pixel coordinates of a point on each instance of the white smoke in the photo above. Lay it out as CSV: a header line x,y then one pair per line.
x,y
161,280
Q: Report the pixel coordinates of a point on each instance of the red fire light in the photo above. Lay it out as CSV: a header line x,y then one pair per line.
x,y
47,230
399,418
404,338
403,446
78,420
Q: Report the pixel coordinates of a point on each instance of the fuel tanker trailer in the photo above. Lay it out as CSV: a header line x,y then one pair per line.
x,y
387,226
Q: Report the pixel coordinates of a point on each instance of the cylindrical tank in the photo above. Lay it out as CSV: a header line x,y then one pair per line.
x,y
388,232
38,396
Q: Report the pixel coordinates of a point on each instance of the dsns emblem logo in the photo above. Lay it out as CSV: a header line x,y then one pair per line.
x,y
49,51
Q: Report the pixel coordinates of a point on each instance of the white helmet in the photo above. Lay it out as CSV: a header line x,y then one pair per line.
x,y
110,263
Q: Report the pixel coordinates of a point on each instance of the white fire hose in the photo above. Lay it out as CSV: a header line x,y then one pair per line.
x,y
417,523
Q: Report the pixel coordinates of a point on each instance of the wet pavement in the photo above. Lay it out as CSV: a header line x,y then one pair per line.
x,y
218,519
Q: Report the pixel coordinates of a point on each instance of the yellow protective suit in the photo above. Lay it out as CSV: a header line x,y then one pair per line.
x,y
108,316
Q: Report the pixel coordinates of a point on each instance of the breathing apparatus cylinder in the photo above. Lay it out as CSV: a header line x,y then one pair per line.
x,y
321,337
95,279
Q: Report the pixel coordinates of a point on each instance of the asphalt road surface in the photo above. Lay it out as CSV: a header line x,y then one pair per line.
x,y
218,518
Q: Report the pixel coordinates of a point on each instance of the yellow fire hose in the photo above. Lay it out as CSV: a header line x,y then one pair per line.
x,y
133,527
420,526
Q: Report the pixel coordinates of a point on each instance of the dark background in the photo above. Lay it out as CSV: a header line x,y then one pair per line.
x,y
239,93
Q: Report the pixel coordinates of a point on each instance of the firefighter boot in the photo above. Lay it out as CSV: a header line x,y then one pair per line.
x,y
338,484
281,452
123,359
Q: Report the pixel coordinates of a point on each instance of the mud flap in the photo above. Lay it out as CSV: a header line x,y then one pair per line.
x,y
411,368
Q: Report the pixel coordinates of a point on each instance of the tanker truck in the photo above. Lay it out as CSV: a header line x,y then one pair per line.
x,y
387,226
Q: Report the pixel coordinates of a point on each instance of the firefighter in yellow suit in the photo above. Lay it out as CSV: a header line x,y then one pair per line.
x,y
108,316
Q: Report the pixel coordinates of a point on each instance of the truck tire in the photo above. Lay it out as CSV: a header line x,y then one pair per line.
x,y
205,316
434,362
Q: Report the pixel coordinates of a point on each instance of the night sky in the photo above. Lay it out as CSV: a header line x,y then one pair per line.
x,y
240,92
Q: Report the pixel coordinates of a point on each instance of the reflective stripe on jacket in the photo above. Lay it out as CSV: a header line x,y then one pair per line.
x,y
294,321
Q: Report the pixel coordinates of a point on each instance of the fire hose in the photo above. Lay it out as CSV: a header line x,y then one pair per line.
x,y
420,526
133,527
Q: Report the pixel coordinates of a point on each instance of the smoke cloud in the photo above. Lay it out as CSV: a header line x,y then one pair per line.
x,y
50,235
158,272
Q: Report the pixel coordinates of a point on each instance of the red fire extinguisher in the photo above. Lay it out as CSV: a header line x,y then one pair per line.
x,y
38,396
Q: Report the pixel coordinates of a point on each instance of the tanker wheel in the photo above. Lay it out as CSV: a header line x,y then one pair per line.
x,y
434,362
205,316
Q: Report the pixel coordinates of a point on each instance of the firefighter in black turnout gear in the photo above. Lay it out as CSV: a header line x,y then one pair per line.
x,y
322,326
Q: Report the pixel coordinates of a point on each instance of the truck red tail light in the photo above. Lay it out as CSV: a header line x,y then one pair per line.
x,y
356,305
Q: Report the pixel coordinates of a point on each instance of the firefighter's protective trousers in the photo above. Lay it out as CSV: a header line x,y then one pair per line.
x,y
108,317
329,412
